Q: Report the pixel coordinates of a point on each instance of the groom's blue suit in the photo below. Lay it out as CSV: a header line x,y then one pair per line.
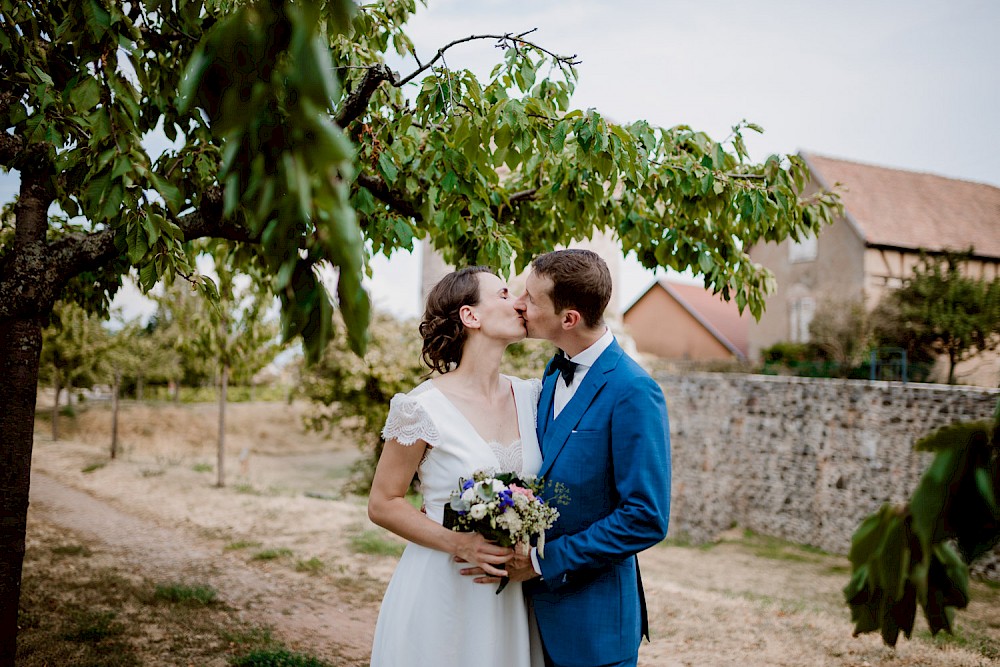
x,y
610,448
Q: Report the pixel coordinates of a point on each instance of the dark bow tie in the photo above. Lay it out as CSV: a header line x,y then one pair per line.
x,y
565,367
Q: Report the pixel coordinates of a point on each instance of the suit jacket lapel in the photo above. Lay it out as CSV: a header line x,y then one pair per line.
x,y
554,438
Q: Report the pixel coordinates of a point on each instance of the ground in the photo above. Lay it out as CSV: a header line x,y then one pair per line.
x,y
145,559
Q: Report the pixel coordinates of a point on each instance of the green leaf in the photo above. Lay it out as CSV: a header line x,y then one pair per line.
x,y
86,95
985,485
387,168
450,181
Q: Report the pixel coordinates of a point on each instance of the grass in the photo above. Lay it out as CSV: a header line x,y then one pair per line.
x,y
189,595
277,658
774,548
93,616
969,640
241,544
272,554
375,543
92,467
312,566
202,467
92,627
70,550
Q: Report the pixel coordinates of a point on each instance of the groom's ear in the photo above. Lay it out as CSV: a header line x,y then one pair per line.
x,y
570,319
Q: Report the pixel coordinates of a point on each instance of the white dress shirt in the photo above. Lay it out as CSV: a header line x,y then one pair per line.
x,y
584,360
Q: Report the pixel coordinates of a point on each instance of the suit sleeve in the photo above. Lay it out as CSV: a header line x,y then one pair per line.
x,y
640,456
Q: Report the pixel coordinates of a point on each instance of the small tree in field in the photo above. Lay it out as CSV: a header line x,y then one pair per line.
x,y
234,331
73,347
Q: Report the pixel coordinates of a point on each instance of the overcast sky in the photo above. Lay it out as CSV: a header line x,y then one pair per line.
x,y
907,84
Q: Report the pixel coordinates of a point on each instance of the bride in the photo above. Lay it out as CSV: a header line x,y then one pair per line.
x,y
468,418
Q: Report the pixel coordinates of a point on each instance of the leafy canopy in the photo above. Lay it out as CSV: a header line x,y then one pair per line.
x,y
294,142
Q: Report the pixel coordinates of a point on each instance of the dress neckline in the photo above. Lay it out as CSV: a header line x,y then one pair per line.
x,y
489,443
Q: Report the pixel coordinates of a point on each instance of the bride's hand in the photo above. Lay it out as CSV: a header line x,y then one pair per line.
x,y
474,548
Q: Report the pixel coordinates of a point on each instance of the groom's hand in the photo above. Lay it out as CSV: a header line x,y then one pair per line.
x,y
520,569
480,576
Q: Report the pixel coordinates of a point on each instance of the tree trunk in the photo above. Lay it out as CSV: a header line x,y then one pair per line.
x,y
951,366
177,392
57,385
138,387
114,413
20,347
223,387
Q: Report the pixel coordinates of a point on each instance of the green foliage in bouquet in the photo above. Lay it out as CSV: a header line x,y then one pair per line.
x,y
918,554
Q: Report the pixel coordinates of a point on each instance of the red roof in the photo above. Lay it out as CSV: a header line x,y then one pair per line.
x,y
720,318
913,210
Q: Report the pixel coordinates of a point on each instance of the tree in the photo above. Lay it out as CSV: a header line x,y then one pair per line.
x,y
73,347
352,393
234,331
919,553
841,331
939,310
295,170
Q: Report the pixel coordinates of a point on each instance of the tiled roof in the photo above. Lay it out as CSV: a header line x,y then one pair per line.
x,y
907,209
720,318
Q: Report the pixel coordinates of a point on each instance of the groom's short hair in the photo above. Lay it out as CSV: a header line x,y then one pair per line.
x,y
580,280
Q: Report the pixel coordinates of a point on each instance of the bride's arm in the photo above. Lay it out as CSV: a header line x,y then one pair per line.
x,y
389,508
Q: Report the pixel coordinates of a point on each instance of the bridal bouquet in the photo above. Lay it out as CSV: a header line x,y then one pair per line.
x,y
502,507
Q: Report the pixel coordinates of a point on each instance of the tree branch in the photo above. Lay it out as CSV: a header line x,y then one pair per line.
x,y
357,101
505,41
396,200
58,262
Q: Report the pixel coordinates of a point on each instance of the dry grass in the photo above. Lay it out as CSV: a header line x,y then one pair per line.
x,y
78,607
188,429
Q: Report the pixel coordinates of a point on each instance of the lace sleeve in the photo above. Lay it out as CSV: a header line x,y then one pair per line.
x,y
408,422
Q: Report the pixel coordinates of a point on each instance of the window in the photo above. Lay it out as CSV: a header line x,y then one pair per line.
x,y
800,316
804,250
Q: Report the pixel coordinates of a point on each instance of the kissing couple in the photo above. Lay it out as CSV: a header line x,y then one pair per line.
x,y
596,424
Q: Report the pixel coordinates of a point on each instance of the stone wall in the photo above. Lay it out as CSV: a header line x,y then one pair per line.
x,y
800,458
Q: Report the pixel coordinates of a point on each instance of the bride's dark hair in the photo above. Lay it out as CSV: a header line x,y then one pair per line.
x,y
441,327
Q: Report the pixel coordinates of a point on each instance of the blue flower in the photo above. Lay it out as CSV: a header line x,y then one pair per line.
x,y
506,498
468,484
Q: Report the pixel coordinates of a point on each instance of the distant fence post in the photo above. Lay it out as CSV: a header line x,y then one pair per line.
x,y
879,368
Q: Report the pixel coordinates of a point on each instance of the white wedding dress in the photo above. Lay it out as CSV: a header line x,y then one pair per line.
x,y
433,616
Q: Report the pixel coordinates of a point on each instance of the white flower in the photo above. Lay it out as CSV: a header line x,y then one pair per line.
x,y
512,520
469,495
498,486
478,511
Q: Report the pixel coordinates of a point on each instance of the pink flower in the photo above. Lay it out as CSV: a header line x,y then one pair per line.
x,y
528,493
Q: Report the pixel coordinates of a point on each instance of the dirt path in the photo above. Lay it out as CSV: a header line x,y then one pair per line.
x,y
324,625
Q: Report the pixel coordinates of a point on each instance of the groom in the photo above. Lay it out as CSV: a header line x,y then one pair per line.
x,y
602,427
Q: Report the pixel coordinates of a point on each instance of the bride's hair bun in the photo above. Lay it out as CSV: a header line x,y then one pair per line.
x,y
441,327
